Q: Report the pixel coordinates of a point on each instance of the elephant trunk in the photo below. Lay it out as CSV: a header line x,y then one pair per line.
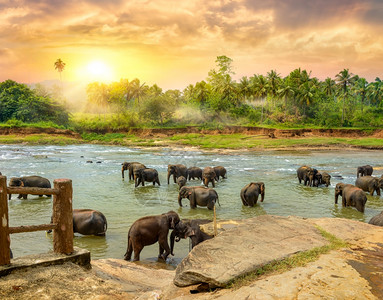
x,y
172,238
180,200
262,196
168,176
122,172
336,197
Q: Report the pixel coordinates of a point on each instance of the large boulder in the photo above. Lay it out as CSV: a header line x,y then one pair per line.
x,y
245,247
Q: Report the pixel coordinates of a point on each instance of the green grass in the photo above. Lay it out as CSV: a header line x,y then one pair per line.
x,y
297,260
39,139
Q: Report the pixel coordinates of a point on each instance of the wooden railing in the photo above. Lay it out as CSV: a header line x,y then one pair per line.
x,y
62,216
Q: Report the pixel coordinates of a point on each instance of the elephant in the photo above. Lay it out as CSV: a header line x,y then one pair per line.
x,y
198,195
176,171
147,174
364,171
317,178
29,181
181,181
326,177
148,230
351,196
370,184
377,220
194,172
191,229
306,174
131,166
250,192
219,171
89,222
208,175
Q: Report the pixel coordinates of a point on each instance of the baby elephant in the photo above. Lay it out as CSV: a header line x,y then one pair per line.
x,y
29,181
89,222
191,229
147,231
181,181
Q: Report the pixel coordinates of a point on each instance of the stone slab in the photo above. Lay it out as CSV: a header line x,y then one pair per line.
x,y
241,249
79,256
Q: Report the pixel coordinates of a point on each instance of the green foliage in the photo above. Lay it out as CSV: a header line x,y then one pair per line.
x,y
19,102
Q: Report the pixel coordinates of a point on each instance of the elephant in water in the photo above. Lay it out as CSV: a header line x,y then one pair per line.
x,y
198,195
29,181
249,193
142,175
177,171
351,196
181,181
364,171
194,172
370,184
219,172
89,222
147,231
306,174
208,175
131,166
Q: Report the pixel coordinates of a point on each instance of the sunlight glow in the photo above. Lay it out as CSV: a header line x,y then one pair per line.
x,y
99,71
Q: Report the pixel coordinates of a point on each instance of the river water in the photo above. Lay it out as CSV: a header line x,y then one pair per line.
x,y
99,186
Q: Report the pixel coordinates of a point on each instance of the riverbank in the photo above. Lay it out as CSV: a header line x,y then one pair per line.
x,y
310,258
228,138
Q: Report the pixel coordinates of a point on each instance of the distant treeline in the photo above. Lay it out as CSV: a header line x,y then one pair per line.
x,y
298,99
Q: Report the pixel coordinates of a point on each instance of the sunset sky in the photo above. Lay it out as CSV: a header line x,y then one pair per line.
x,y
174,43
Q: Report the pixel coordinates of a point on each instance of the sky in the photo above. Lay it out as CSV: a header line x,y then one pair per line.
x,y
174,43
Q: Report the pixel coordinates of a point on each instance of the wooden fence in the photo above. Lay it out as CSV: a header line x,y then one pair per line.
x,y
62,217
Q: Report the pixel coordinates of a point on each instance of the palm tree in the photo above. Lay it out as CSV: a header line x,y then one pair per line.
x,y
244,87
344,79
361,89
273,82
260,88
329,86
375,91
286,91
59,66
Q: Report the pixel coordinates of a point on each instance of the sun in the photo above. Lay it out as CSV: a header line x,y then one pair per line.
x,y
99,70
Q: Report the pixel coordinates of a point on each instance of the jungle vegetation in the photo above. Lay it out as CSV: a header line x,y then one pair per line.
x,y
297,100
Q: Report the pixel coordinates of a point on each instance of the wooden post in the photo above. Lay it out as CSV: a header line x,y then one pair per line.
x,y
63,217
5,241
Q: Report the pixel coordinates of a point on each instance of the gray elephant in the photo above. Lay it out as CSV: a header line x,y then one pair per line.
x,y
89,222
250,192
147,231
317,178
377,220
176,171
351,196
208,175
181,181
131,166
29,181
147,174
198,195
306,174
194,173
370,184
326,177
219,172
364,171
191,229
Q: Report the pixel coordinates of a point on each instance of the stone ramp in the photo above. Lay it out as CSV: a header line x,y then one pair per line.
x,y
245,247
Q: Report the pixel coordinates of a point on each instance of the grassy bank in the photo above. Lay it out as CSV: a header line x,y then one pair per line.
x,y
203,141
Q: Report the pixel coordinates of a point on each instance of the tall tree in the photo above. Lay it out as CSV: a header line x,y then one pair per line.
x,y
59,66
344,79
360,89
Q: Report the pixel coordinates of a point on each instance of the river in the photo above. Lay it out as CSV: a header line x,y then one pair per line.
x,y
99,186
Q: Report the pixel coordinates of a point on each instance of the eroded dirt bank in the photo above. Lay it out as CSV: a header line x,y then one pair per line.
x,y
158,132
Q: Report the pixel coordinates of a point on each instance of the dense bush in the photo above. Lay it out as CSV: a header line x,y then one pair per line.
x,y
19,102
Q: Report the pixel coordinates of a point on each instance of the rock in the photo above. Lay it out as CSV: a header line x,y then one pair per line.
x,y
377,220
242,249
